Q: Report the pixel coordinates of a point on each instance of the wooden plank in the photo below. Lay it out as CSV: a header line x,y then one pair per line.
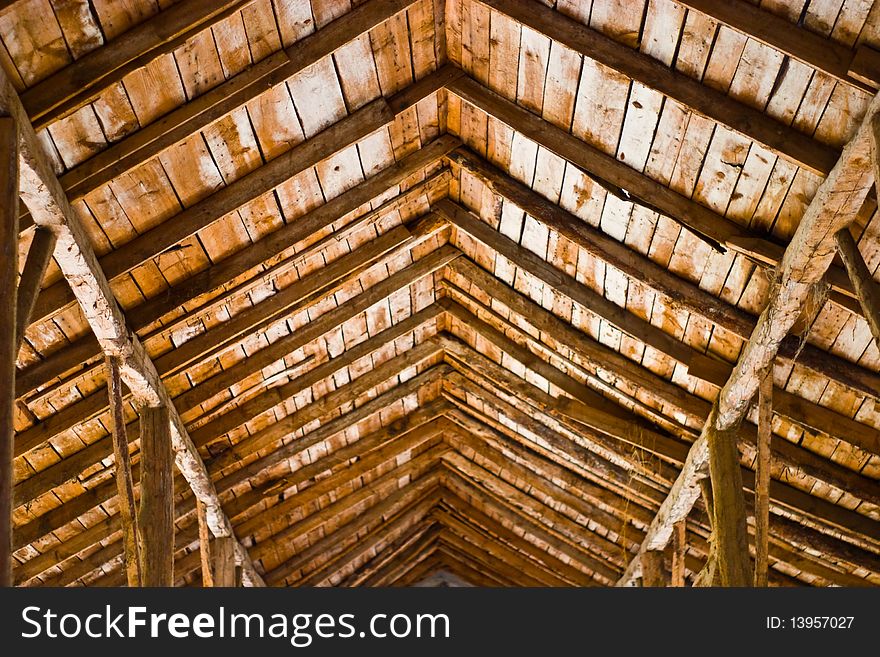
x,y
762,479
43,195
8,345
156,519
747,121
38,257
124,484
867,289
822,54
806,259
83,81
629,185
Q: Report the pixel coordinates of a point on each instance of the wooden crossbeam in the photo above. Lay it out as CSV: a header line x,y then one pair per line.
x,y
823,54
42,193
8,350
716,105
718,231
806,259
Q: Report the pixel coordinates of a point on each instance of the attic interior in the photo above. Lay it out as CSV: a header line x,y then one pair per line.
x,y
440,293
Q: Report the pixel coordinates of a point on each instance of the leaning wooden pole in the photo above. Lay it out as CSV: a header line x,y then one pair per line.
x,y
156,520
124,485
38,257
679,553
8,351
762,480
224,562
867,289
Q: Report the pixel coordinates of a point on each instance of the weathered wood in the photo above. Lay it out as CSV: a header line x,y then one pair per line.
x,y
630,185
867,289
806,259
124,483
825,55
731,536
42,193
762,479
8,350
652,569
204,545
679,553
156,520
78,84
224,561
701,98
38,257
640,268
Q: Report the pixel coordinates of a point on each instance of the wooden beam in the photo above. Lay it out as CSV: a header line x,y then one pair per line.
x,y
38,257
652,569
42,193
8,351
124,483
224,561
806,259
83,81
823,54
679,554
633,186
686,295
762,479
156,519
867,289
716,105
204,546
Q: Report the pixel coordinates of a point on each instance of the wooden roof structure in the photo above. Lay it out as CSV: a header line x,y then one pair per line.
x,y
468,291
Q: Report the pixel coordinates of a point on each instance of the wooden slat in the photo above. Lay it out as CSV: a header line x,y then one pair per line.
x,y
8,350
156,516
43,195
807,258
702,99
640,268
825,55
867,289
38,257
762,479
633,186
124,483
78,84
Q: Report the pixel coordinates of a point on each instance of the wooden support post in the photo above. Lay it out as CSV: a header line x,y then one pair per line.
x,y
156,521
652,569
8,352
762,479
124,485
867,289
679,552
224,561
731,537
204,544
39,254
